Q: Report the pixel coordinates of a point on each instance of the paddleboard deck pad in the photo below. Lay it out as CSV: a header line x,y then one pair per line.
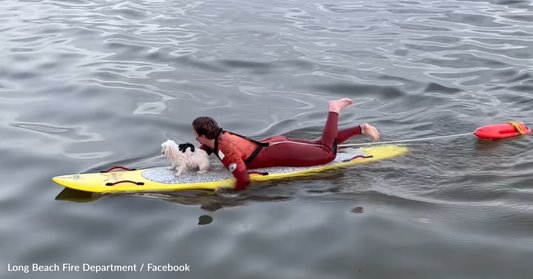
x,y
163,179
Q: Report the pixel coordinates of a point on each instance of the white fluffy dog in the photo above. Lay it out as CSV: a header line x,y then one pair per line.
x,y
187,159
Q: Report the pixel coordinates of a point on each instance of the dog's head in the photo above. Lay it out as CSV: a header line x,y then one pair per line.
x,y
167,148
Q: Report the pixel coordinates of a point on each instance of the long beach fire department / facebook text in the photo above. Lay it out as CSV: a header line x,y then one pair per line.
x,y
95,268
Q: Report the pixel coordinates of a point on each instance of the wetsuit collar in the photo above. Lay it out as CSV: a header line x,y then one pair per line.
x,y
220,131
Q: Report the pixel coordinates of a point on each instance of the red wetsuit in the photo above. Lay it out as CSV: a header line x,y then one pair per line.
x,y
239,153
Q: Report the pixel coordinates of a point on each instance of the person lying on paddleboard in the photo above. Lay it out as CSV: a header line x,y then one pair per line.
x,y
239,153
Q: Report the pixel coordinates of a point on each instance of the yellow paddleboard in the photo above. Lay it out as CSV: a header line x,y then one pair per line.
x,y
162,179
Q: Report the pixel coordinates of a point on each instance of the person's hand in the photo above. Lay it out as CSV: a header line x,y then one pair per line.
x,y
183,147
224,190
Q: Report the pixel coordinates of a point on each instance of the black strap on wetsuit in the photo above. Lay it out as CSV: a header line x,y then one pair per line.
x,y
260,145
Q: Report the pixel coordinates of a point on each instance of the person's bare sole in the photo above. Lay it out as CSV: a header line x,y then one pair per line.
x,y
338,105
370,130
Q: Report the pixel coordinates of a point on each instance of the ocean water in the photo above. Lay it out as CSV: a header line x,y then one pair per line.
x,y
90,84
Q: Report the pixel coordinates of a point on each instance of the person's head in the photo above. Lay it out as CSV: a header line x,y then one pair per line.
x,y
205,129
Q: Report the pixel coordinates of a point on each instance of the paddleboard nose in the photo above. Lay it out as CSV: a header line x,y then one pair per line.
x,y
64,180
59,180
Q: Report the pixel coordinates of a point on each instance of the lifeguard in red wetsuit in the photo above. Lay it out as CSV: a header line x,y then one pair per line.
x,y
239,153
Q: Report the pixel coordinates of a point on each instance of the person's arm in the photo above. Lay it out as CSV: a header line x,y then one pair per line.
x,y
232,160
206,148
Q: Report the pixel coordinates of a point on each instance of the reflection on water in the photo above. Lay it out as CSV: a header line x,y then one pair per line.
x,y
207,200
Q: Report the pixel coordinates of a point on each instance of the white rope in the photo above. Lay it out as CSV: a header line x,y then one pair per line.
x,y
399,141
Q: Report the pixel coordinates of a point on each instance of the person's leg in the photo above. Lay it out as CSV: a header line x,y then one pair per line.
x,y
331,131
292,154
286,152
345,134
342,136
365,129
329,135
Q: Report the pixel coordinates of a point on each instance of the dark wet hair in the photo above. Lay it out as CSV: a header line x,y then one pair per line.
x,y
206,126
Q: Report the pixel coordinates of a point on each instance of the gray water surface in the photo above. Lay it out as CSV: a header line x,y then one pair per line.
x,y
90,84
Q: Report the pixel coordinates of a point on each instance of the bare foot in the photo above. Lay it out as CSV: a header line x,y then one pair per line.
x,y
338,105
369,130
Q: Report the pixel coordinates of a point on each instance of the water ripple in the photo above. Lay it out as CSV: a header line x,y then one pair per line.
x,y
90,84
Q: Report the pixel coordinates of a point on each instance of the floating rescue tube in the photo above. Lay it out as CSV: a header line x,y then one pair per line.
x,y
502,131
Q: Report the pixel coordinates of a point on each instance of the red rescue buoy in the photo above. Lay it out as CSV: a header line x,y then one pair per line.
x,y
502,131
